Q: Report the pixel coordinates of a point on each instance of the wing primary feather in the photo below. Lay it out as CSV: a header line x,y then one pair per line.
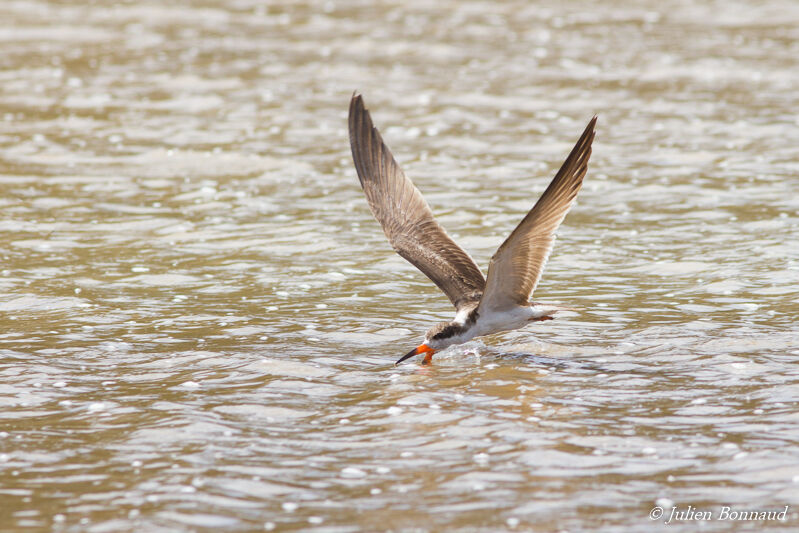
x,y
516,267
404,215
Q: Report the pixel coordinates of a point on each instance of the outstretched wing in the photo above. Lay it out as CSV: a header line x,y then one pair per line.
x,y
405,216
516,267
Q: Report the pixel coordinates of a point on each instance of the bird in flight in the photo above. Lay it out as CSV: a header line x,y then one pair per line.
x,y
483,305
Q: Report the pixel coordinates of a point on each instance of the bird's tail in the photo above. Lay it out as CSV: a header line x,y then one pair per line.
x,y
545,311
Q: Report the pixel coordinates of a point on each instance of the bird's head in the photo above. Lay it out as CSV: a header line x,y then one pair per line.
x,y
437,338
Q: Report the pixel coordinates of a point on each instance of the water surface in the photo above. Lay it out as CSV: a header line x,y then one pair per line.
x,y
200,316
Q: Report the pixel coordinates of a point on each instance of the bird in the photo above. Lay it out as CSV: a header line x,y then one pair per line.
x,y
483,305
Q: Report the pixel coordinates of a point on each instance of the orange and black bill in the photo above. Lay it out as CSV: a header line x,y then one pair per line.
x,y
422,348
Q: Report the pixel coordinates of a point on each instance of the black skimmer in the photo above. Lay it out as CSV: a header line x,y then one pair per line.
x,y
484,305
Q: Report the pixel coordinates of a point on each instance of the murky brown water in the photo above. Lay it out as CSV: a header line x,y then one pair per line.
x,y
199,314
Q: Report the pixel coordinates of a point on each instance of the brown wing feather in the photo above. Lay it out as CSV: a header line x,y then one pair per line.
x,y
516,267
405,216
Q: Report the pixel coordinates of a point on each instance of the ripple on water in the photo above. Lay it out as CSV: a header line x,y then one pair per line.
x,y
200,315
35,303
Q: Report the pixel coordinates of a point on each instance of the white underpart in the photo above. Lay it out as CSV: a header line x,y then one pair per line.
x,y
462,315
496,321
509,319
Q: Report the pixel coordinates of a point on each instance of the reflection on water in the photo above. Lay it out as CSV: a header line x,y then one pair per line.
x,y
200,316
